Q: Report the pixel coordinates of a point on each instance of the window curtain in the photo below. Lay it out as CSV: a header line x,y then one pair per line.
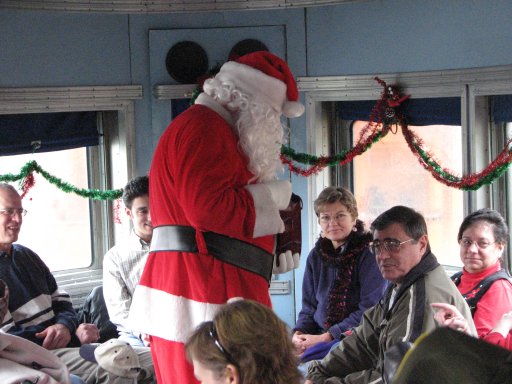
x,y
46,132
178,106
432,111
501,107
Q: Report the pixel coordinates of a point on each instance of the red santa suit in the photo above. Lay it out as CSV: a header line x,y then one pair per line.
x,y
199,179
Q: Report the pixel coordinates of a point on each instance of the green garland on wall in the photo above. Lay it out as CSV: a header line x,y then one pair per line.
x,y
26,179
385,115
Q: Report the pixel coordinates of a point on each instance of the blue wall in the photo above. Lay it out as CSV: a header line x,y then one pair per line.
x,y
367,37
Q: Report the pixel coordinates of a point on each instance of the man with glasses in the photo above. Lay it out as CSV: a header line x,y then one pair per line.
x,y
38,310
402,250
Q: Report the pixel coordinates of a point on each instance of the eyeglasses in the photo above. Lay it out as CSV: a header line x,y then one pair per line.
x,y
214,337
326,220
13,211
480,244
390,245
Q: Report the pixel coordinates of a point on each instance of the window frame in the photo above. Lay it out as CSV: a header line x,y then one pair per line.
x,y
117,147
480,144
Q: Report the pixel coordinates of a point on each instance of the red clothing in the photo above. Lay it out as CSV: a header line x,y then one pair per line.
x,y
493,304
197,179
498,339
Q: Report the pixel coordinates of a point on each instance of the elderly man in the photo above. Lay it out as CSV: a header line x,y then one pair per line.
x,y
402,250
41,312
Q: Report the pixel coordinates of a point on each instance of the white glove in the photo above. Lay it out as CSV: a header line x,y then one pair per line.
x,y
280,191
287,262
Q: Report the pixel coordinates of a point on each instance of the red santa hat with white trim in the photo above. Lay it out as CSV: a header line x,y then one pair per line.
x,y
267,78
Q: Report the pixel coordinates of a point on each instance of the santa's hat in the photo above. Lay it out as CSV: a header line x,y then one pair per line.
x,y
266,78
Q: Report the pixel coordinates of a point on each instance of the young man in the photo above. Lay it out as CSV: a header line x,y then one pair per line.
x,y
123,264
41,312
402,250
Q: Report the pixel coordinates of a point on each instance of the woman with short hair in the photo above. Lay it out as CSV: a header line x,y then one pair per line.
x,y
341,279
483,282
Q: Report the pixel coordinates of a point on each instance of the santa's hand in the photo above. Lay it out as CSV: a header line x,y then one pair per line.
x,y
280,192
285,262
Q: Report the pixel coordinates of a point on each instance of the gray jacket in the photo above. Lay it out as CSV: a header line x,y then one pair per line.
x,y
359,357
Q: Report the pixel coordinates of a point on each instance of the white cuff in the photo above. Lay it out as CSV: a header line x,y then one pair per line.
x,y
268,221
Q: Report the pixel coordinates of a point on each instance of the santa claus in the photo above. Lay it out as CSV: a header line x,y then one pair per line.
x,y
215,202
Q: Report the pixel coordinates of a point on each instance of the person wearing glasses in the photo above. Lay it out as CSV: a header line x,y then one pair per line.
x,y
245,343
402,251
485,285
341,279
39,310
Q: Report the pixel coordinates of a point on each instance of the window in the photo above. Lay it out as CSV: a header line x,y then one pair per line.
x,y
389,174
109,165
377,175
58,224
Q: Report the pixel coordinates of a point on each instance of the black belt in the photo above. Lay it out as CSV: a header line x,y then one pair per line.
x,y
227,249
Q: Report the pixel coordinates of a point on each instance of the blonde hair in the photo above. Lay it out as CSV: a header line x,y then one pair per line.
x,y
252,338
331,195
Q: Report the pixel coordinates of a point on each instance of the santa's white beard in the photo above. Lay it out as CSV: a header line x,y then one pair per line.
x,y
257,125
261,136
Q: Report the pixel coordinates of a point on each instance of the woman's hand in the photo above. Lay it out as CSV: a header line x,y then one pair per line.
x,y
298,339
448,315
504,324
303,341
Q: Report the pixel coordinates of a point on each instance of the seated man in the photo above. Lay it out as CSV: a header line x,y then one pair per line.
x,y
402,250
123,264
16,354
41,312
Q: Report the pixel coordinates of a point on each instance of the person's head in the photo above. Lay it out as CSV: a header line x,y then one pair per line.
x,y
336,209
11,216
400,240
136,203
482,237
245,343
258,88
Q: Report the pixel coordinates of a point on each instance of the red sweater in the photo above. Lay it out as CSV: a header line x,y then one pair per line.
x,y
493,304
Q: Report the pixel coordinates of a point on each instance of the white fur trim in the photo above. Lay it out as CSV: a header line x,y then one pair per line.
x,y
210,102
255,83
167,316
280,191
268,220
293,109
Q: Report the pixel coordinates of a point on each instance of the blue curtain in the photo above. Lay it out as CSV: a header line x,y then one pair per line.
x,y
501,107
433,111
54,131
178,106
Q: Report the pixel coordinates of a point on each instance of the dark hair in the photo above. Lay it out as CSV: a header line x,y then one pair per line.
x,y
252,338
494,218
331,195
411,221
137,187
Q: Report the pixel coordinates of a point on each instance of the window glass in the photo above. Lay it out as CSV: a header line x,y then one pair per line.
x,y
57,225
389,174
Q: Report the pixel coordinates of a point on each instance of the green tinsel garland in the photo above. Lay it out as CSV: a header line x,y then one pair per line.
x,y
32,166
